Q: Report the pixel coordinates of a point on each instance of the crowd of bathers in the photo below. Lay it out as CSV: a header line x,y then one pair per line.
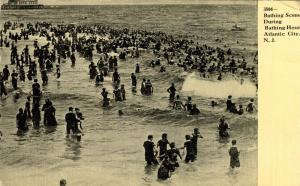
x,y
66,40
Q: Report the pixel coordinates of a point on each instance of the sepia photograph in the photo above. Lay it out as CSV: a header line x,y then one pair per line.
x,y
128,92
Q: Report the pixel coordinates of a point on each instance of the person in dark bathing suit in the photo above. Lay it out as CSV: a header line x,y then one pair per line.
x,y
172,91
234,155
190,150
149,151
21,121
194,139
162,145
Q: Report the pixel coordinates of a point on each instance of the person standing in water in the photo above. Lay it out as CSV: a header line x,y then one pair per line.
x,y
14,80
27,110
148,88
104,94
172,91
149,151
234,155
78,125
172,153
143,87
133,82
250,106
137,68
188,105
21,121
6,73
2,86
36,92
57,72
194,110
190,150
223,127
71,120
36,115
229,103
194,140
178,103
162,144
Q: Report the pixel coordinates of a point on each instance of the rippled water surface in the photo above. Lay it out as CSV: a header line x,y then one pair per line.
x,y
111,151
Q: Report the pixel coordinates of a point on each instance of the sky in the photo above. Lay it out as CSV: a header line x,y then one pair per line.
x,y
116,2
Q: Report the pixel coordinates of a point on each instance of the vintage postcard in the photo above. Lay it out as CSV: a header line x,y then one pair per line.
x,y
148,92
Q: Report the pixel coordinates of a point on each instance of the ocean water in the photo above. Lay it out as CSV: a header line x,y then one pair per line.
x,y
111,151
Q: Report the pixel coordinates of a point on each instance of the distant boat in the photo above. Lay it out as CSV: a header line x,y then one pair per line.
x,y
237,28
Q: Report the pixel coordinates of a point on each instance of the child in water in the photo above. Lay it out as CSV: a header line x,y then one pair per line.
x,y
234,155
